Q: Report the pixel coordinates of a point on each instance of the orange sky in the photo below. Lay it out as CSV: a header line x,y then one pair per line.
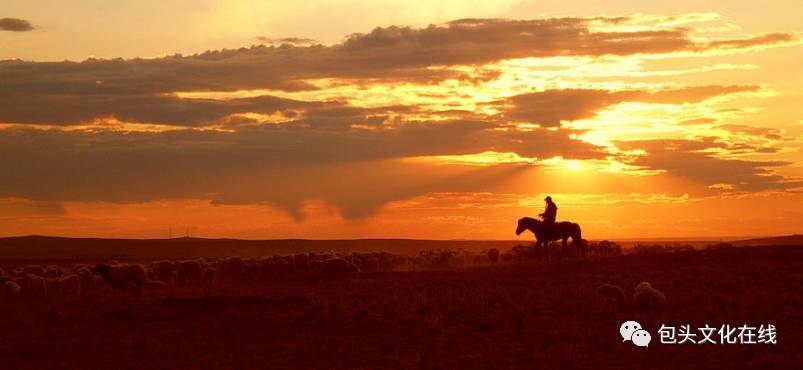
x,y
238,119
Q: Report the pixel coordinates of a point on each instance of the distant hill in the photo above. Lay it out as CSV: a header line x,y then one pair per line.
x,y
46,247
795,239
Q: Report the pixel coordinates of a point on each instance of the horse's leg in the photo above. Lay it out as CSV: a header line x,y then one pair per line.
x,y
546,249
537,252
563,250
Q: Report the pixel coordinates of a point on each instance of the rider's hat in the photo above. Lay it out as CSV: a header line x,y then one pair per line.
x,y
548,198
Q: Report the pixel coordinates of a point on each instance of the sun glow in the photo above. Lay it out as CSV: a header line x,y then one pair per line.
x,y
485,159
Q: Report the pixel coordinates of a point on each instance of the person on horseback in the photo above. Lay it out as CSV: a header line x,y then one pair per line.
x,y
549,214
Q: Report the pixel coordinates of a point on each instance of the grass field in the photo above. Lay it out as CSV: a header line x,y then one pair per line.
x,y
527,315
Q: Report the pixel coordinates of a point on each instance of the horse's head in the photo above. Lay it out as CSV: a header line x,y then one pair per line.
x,y
526,223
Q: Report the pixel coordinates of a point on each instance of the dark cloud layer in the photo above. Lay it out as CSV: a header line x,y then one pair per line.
x,y
546,107
394,53
550,107
68,109
68,92
280,164
694,160
288,40
15,25
352,157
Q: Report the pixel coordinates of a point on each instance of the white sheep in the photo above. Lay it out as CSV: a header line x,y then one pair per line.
x,y
122,277
645,296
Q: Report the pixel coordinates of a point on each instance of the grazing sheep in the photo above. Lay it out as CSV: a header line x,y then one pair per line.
x,y
335,266
612,293
53,272
63,285
189,271
22,280
301,261
274,266
605,248
645,296
369,262
719,246
441,258
122,277
35,285
289,261
209,274
11,289
84,275
96,282
34,269
251,269
232,266
52,286
70,284
163,270
386,260
493,255
520,253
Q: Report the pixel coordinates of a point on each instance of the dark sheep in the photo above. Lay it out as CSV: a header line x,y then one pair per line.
x,y
612,293
122,277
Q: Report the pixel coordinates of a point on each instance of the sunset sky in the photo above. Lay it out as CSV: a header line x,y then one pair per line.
x,y
400,119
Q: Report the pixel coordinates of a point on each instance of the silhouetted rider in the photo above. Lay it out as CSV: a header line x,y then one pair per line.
x,y
549,214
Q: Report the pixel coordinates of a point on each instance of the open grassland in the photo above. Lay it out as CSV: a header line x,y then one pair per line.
x,y
515,314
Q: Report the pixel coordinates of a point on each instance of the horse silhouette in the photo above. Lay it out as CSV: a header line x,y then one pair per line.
x,y
559,231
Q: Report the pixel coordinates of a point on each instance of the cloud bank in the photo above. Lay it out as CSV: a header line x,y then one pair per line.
x,y
15,25
125,130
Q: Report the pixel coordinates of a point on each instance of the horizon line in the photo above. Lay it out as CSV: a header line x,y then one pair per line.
x,y
664,238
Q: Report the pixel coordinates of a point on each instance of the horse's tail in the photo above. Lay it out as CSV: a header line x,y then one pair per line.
x,y
577,235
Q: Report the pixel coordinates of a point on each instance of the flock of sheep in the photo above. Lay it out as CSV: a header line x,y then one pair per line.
x,y
34,281
644,296
44,281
